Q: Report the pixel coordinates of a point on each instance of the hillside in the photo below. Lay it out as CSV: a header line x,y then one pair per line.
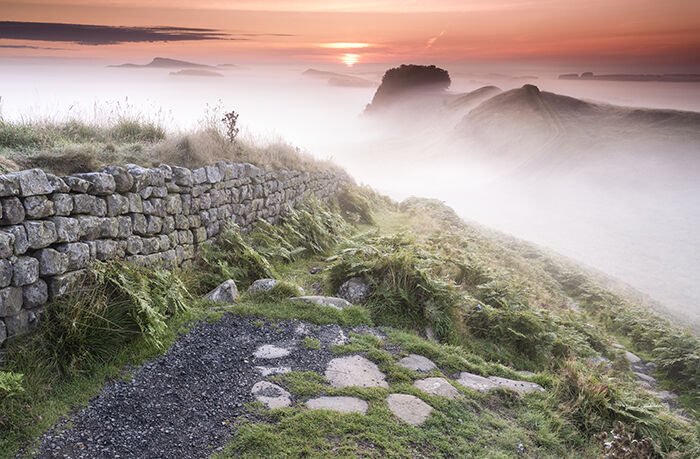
x,y
163,63
511,350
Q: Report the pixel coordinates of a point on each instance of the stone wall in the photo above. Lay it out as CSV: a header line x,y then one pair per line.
x,y
52,227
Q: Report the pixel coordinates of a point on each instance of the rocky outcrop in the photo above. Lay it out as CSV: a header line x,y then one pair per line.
x,y
52,227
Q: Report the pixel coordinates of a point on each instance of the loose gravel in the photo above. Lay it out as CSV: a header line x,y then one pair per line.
x,y
184,403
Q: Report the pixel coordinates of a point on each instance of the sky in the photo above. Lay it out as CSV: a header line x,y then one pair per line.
x,y
660,34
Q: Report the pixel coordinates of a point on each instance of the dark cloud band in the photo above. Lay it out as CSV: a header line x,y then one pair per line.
x,y
86,34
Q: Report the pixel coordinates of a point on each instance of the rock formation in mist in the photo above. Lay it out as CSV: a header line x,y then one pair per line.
x,y
339,79
408,79
163,62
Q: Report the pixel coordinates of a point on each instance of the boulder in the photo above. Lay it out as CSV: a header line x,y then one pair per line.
x,y
355,290
123,181
338,303
226,293
262,285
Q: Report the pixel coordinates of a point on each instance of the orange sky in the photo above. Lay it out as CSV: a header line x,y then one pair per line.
x,y
655,31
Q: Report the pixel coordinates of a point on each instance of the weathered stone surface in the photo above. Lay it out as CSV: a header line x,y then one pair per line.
x,y
12,211
107,249
123,181
417,362
262,285
354,370
270,351
338,404
67,229
271,395
409,408
437,386
26,271
5,273
18,324
38,207
355,290
88,204
21,243
331,301
63,204
117,205
32,182
9,185
7,241
77,185
10,301
57,183
65,283
182,176
40,234
519,386
226,293
52,262
3,330
632,358
34,295
476,382
100,183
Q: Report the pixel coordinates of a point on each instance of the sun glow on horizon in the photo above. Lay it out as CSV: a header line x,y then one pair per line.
x,y
345,45
350,59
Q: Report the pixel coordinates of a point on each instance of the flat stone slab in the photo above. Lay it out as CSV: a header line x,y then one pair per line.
x,y
271,395
476,382
481,384
417,362
437,386
520,386
268,371
408,408
632,358
354,370
270,351
339,404
331,301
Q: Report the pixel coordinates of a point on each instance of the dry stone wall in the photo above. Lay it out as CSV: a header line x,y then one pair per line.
x,y
52,227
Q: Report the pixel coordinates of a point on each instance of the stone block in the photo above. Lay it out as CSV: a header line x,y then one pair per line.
x,y
40,233
52,262
12,211
100,183
3,332
25,271
134,245
124,226
78,254
21,243
182,176
77,185
35,295
123,181
67,229
107,249
153,224
18,324
117,205
32,182
38,207
135,203
63,203
9,185
10,301
88,204
65,283
139,224
5,273
173,204
109,228
90,227
7,241
57,183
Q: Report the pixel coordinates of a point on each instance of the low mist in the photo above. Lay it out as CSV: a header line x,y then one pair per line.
x,y
618,191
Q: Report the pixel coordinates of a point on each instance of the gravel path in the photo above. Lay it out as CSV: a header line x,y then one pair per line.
x,y
180,405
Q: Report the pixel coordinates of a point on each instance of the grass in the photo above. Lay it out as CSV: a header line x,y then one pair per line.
x,y
123,136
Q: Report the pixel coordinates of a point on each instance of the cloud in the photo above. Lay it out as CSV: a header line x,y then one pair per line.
x,y
86,34
29,47
432,40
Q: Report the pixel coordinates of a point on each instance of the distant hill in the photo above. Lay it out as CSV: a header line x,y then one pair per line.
x,y
669,77
197,73
163,62
339,79
406,80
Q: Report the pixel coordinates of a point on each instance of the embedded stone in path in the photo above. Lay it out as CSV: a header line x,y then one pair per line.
x,y
354,370
226,293
409,408
476,382
339,404
520,386
271,395
270,351
632,358
268,371
331,301
437,386
417,362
